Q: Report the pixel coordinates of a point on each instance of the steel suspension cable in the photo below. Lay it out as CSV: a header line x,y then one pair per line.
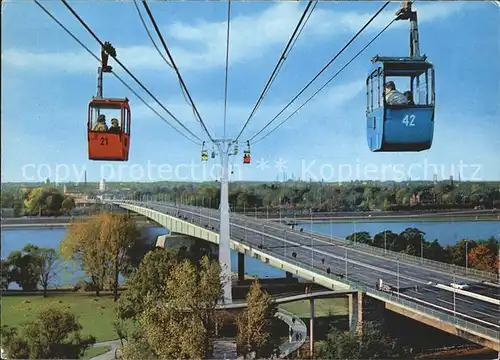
x,y
128,71
227,63
323,69
327,83
117,76
288,47
174,65
150,36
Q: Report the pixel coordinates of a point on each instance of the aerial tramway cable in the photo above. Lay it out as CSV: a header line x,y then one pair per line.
x,y
326,84
288,48
176,69
127,70
323,69
117,76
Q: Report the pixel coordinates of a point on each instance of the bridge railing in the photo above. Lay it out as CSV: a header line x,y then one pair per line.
x,y
459,270
441,315
389,297
418,260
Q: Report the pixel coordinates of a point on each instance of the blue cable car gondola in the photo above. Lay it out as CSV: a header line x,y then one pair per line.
x,y
407,124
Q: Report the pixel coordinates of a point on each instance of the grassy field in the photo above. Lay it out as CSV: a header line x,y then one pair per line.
x,y
322,307
96,315
95,351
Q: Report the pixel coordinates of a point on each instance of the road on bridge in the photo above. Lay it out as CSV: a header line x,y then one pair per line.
x,y
349,262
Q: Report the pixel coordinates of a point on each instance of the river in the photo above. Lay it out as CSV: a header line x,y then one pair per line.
x,y
446,232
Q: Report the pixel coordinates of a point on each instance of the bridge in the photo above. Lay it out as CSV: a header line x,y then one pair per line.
x,y
419,284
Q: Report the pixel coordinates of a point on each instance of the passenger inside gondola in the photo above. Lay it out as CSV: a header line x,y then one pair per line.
x,y
100,125
115,129
392,96
409,97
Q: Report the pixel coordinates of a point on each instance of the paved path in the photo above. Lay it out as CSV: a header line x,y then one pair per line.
x,y
298,326
110,355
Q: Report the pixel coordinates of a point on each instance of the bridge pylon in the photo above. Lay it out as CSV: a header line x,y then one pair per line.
x,y
224,230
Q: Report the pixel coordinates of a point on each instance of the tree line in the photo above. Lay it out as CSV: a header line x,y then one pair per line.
x,y
327,197
479,254
46,201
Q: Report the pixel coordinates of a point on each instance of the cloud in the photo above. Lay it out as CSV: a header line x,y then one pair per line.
x,y
333,98
201,44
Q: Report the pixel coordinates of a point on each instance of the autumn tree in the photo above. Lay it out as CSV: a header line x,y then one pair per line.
x,y
68,204
102,245
369,344
53,334
24,267
150,278
178,323
257,336
48,266
84,245
120,234
482,258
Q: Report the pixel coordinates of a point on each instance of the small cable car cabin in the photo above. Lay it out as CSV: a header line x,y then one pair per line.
x,y
204,155
405,125
108,143
246,154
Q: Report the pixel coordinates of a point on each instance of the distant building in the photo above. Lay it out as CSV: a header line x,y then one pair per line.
x,y
102,185
422,197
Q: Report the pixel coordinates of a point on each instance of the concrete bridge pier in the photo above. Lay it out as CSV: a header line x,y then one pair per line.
x,y
311,328
355,311
364,309
241,267
289,275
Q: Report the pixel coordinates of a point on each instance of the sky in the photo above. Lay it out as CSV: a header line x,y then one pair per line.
x,y
48,79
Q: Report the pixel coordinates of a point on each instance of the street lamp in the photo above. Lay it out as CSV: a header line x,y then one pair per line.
x,y
267,213
346,264
354,231
421,248
285,242
280,209
312,244
244,208
385,242
454,295
466,255
397,264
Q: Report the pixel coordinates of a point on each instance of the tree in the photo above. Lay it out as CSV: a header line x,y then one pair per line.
x,y
369,344
83,244
102,244
119,232
257,336
24,267
5,274
54,334
47,267
181,323
68,204
150,278
482,258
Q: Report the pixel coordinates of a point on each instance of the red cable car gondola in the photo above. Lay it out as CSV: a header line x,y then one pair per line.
x,y
109,145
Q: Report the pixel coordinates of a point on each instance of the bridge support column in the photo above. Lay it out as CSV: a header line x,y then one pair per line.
x,y
356,312
311,328
289,275
241,267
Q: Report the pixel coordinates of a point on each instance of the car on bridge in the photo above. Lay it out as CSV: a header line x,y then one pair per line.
x,y
460,285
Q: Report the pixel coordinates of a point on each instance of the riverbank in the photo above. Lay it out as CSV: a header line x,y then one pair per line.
x,y
403,218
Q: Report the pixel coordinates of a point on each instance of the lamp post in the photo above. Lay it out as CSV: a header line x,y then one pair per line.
x,y
244,209
466,256
397,264
246,231
210,206
285,242
346,264
280,209
454,296
354,231
331,230
267,213
385,242
421,248
312,244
